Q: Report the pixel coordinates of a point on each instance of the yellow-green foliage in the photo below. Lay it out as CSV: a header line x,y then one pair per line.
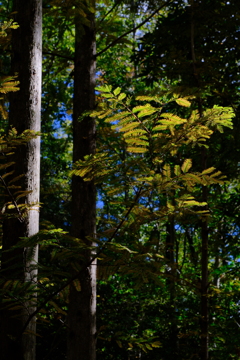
x,y
150,136
7,83
70,9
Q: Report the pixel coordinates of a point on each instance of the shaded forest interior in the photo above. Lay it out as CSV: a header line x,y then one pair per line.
x,y
119,165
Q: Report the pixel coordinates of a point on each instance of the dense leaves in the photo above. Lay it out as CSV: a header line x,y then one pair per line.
x,y
149,174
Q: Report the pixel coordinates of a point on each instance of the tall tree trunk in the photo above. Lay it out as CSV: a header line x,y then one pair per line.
x,y
171,283
204,277
82,304
25,107
204,335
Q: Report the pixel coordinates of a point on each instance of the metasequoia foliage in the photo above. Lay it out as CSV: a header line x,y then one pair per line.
x,y
69,9
7,83
141,152
152,138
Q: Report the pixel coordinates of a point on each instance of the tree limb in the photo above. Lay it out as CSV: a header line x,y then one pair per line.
x,y
20,218
52,53
118,2
114,42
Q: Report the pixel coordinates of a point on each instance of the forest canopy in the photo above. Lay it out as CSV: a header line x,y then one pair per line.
x,y
119,179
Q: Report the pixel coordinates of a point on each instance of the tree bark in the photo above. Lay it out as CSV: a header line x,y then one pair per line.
x,y
204,335
82,304
25,107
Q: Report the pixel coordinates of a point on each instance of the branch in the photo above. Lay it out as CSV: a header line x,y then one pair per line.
x,y
52,53
114,42
104,17
20,218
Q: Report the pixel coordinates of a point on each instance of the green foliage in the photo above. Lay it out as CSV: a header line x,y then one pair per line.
x,y
149,176
5,26
7,83
166,51
143,152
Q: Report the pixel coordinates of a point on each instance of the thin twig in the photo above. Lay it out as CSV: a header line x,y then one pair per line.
x,y
104,17
114,42
52,53
20,218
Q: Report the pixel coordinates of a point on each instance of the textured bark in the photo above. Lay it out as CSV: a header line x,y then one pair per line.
x,y
204,335
82,304
25,107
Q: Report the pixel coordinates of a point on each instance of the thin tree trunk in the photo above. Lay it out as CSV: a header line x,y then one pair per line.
x,y
170,255
193,255
82,304
204,335
204,277
25,107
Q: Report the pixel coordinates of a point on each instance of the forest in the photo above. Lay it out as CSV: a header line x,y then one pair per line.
x,y
119,193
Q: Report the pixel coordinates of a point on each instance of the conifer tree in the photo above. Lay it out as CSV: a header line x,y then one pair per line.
x,y
82,303
25,107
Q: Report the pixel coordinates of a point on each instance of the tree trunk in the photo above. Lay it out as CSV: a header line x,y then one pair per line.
x,y
204,294
25,107
82,304
204,277
171,283
204,335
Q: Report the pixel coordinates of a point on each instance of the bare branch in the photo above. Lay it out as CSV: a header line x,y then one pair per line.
x,y
52,53
20,218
